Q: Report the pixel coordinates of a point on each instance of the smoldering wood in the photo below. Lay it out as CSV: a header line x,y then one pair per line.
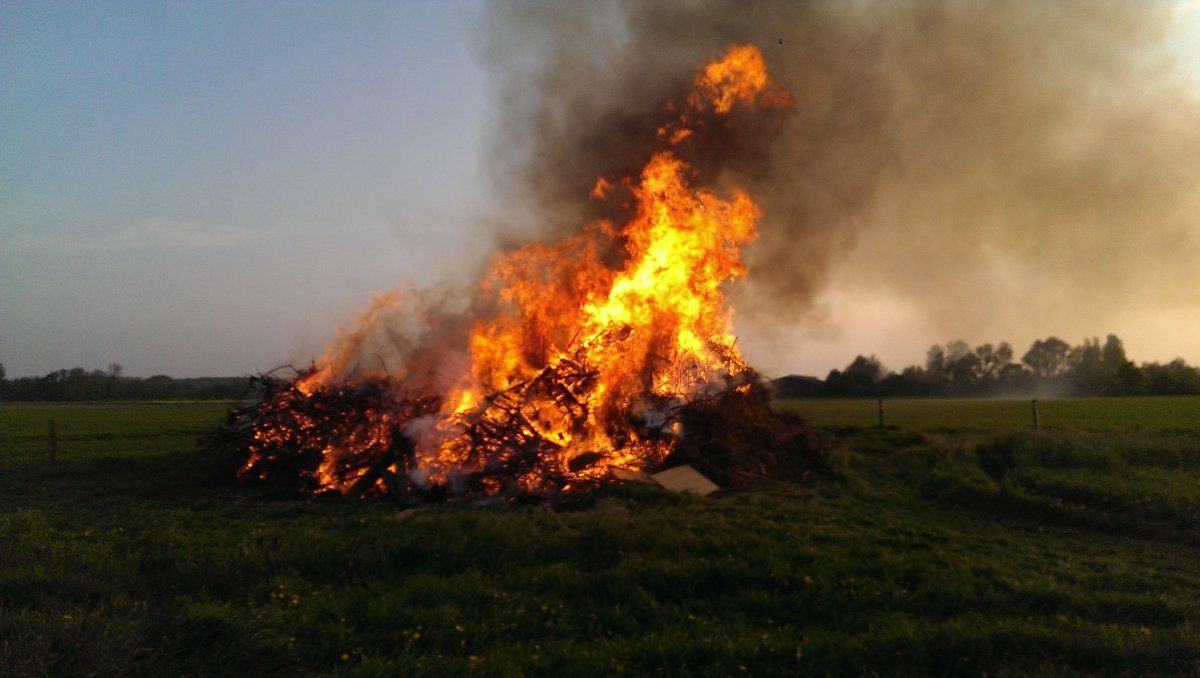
x,y
372,475
730,434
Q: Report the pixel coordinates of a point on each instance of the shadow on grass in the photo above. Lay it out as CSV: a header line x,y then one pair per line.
x,y
1038,506
171,477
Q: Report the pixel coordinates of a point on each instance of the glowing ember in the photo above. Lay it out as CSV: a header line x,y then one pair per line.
x,y
578,365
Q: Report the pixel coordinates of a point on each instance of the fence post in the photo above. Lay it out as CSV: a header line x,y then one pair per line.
x,y
879,403
53,443
1033,404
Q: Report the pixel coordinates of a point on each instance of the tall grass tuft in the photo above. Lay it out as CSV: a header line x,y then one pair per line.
x,y
997,456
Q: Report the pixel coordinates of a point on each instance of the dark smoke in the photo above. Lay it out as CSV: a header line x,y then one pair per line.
x,y
990,163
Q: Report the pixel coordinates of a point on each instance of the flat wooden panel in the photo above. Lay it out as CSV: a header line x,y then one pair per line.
x,y
685,479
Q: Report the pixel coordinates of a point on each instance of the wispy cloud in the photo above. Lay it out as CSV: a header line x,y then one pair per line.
x,y
148,234
1186,7
162,233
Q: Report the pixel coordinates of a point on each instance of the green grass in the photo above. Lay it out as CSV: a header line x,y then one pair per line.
x,y
977,414
103,429
137,555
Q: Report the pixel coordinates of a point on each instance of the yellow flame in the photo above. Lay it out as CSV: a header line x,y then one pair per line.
x,y
652,329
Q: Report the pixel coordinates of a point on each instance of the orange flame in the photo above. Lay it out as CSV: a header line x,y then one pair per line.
x,y
621,343
739,77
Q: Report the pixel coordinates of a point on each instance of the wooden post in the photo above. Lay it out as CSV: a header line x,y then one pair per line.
x,y
1033,404
53,443
879,403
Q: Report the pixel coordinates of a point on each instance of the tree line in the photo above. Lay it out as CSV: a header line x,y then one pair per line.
x,y
1051,367
110,384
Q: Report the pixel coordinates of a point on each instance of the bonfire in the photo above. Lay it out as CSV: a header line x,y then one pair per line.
x,y
612,349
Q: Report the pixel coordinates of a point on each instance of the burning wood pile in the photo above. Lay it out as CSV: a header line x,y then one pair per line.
x,y
611,350
289,440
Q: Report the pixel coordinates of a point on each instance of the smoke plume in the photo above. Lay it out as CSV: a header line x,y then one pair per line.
x,y
989,164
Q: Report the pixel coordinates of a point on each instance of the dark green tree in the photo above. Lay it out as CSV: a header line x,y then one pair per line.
x,y
993,360
860,378
1047,358
1174,378
935,363
1087,367
1113,353
1121,376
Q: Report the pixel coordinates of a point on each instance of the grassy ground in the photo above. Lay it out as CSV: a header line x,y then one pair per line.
x,y
135,554
976,414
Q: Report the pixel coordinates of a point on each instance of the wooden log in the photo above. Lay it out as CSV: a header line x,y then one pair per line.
x,y
582,461
367,480
399,454
391,482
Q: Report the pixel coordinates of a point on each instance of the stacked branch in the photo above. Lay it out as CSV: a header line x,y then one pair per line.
x,y
737,439
349,437
507,439
304,441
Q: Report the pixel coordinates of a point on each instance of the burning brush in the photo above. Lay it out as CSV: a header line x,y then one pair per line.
x,y
575,365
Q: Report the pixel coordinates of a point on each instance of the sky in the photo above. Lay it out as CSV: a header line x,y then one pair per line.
x,y
211,188
208,188
859,316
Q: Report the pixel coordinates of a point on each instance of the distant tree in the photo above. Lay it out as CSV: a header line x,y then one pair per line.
x,y
952,366
157,387
1092,368
1174,378
1121,376
912,380
1047,357
860,378
956,368
935,367
1113,352
956,349
993,360
1085,363
866,369
110,383
1129,380
964,372
1015,378
1,371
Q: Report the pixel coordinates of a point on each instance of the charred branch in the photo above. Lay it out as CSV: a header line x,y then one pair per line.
x,y
350,436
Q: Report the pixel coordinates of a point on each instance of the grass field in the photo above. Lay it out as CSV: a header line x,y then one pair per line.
x,y
976,414
136,554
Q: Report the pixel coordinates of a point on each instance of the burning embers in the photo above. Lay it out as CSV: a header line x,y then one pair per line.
x,y
575,364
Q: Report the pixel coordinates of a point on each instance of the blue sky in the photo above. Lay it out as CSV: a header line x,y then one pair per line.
x,y
208,188
201,188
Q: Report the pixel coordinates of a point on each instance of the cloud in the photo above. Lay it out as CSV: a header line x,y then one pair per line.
x,y
1181,7
148,234
162,233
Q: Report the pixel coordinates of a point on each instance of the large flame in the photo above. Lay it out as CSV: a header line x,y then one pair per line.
x,y
581,362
